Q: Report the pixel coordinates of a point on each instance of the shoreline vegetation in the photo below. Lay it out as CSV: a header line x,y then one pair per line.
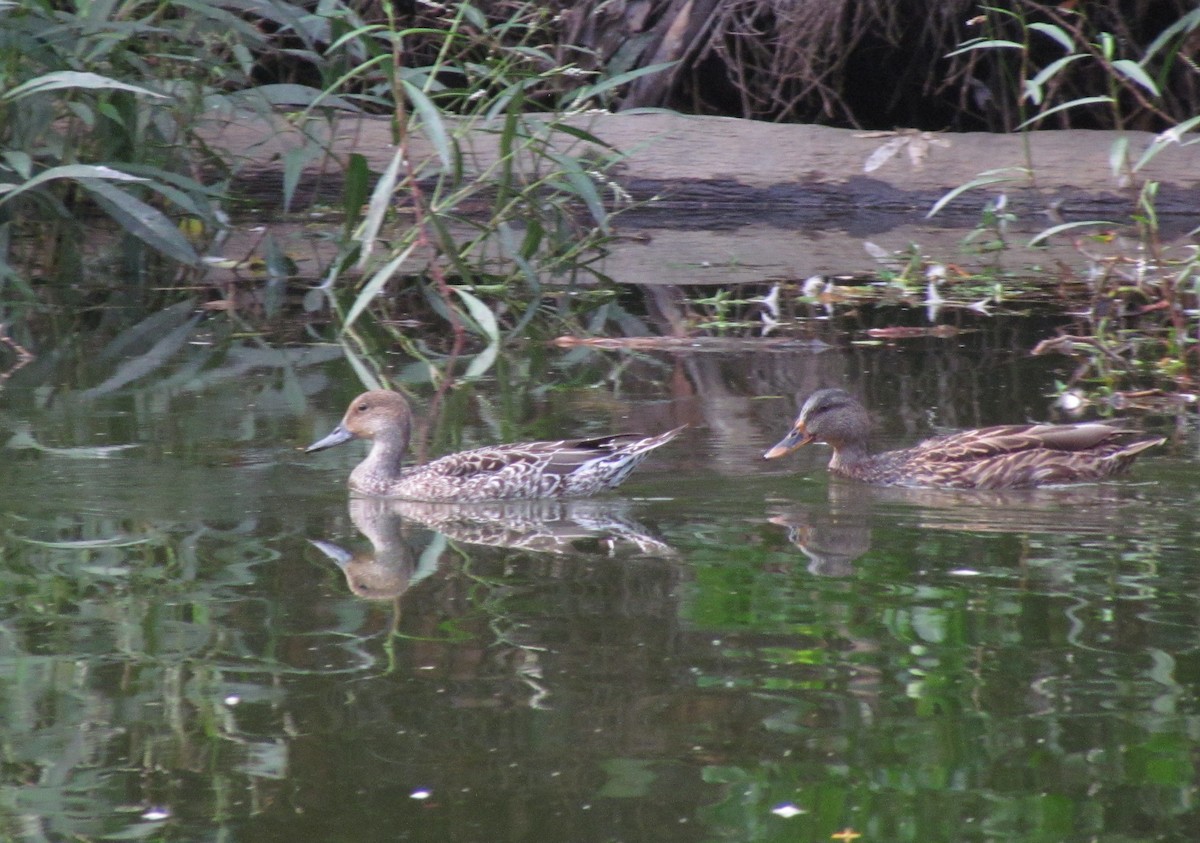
x,y
469,172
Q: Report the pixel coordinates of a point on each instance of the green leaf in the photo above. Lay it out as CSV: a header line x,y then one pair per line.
x,y
581,134
481,314
474,16
1185,24
21,162
1056,32
1063,107
143,221
584,187
482,362
366,377
431,121
1053,68
294,161
1117,155
60,79
75,172
375,285
1164,139
1058,229
1004,176
1133,71
354,188
607,84
990,44
298,96
381,201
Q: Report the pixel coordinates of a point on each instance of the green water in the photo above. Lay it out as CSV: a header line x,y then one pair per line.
x,y
201,638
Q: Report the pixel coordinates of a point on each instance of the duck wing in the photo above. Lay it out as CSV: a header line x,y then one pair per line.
x,y
561,457
1018,456
567,468
990,442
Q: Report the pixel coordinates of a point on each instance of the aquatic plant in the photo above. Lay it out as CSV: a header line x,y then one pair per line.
x,y
103,111
97,113
1142,323
504,217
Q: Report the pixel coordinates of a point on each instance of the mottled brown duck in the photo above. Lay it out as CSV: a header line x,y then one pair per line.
x,y
518,471
1012,456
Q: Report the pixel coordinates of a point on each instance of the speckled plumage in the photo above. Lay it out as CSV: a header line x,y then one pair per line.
x,y
1003,457
526,470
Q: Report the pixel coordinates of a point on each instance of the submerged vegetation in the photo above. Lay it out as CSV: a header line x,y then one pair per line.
x,y
105,111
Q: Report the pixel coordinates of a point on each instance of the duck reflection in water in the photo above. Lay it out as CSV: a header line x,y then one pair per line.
x,y
830,543
833,538
393,565
545,526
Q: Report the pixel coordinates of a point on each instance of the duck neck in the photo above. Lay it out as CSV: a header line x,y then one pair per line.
x,y
848,455
383,465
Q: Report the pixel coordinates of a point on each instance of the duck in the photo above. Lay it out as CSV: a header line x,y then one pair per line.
x,y
520,471
1004,457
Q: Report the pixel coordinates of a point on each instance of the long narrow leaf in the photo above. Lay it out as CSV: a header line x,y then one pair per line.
x,y
68,171
298,96
431,121
366,377
1063,107
159,355
581,134
1056,32
483,361
607,84
1058,229
1161,141
991,177
1185,24
381,200
1053,68
481,314
74,79
143,221
584,187
1133,71
373,287
294,161
354,188
1118,155
986,45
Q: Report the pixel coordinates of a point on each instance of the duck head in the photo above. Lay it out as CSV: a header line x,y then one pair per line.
x,y
833,416
379,415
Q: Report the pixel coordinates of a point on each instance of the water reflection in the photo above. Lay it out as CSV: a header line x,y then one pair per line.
x,y
920,665
547,526
835,533
830,543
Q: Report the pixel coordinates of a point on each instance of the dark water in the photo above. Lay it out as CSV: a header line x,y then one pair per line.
x,y
202,638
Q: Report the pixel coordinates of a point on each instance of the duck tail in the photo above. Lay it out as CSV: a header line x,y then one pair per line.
x,y
1126,455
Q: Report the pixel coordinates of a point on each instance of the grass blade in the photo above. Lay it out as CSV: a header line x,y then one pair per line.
x,y
373,287
145,222
381,201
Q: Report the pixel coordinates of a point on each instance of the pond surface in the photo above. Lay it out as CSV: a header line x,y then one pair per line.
x,y
202,637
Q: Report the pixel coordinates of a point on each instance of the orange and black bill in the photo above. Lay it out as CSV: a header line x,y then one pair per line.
x,y
797,438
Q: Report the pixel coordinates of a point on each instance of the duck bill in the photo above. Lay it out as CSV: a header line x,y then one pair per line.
x,y
336,437
798,438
